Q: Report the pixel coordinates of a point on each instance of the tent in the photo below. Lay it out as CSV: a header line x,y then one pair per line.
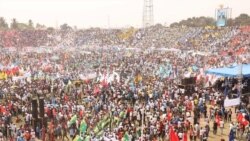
x,y
232,71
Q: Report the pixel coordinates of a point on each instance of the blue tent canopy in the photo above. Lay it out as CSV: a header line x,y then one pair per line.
x,y
232,71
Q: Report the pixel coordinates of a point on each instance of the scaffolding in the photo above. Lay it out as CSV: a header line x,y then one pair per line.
x,y
148,16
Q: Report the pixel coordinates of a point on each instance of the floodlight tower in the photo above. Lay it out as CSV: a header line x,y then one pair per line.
x,y
148,14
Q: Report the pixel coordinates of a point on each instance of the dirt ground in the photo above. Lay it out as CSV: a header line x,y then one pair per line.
x,y
212,137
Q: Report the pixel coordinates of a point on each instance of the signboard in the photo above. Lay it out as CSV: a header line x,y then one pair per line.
x,y
221,17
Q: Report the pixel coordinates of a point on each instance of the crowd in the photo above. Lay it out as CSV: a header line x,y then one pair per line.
x,y
118,93
155,36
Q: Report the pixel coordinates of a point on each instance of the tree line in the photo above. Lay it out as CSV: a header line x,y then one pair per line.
x,y
18,25
241,20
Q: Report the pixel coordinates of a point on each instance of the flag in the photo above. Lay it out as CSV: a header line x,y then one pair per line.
x,y
101,124
87,138
244,122
240,117
138,78
96,90
83,126
226,91
122,114
185,138
231,102
169,116
138,133
105,123
175,72
238,92
231,135
125,137
104,83
3,76
172,135
73,120
77,138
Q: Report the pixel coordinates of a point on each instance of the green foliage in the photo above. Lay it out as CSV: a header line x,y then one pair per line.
x,y
31,25
14,24
65,27
241,20
195,22
39,26
3,24
21,26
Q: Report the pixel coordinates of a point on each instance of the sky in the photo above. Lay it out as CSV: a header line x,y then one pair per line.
x,y
112,13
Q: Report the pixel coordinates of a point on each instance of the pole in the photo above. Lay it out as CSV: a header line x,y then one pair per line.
x,y
142,125
240,80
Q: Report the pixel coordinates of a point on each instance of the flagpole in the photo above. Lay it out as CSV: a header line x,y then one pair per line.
x,y
142,125
240,80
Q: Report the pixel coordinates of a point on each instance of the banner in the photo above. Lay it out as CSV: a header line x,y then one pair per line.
x,y
231,102
221,17
26,75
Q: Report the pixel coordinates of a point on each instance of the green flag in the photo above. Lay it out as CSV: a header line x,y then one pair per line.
x,y
77,138
83,126
125,137
138,133
101,124
122,114
73,120
87,138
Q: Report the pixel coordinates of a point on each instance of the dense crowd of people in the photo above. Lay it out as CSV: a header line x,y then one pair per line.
x,y
101,84
155,36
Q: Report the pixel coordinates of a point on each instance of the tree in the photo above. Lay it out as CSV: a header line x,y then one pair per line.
x,y
3,23
30,24
23,26
230,22
50,29
39,26
175,24
242,19
195,22
65,27
14,24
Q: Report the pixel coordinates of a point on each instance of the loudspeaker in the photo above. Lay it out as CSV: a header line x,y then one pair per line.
x,y
34,109
192,80
188,81
184,81
41,107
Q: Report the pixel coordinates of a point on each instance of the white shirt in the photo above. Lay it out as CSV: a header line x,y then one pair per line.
x,y
231,126
221,124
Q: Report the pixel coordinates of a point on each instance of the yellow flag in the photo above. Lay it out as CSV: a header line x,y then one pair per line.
x,y
3,76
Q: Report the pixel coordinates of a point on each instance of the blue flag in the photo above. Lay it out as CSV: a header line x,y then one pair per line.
x,y
226,91
231,135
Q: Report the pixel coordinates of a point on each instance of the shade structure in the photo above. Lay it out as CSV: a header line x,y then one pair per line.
x,y
232,71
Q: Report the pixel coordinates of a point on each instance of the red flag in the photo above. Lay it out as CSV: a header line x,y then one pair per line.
x,y
172,135
240,117
96,90
104,83
185,138
169,116
244,122
81,113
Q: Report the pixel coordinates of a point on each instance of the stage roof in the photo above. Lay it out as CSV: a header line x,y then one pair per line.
x,y
232,71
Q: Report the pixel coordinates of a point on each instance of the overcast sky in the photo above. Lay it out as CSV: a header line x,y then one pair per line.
x,y
113,13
